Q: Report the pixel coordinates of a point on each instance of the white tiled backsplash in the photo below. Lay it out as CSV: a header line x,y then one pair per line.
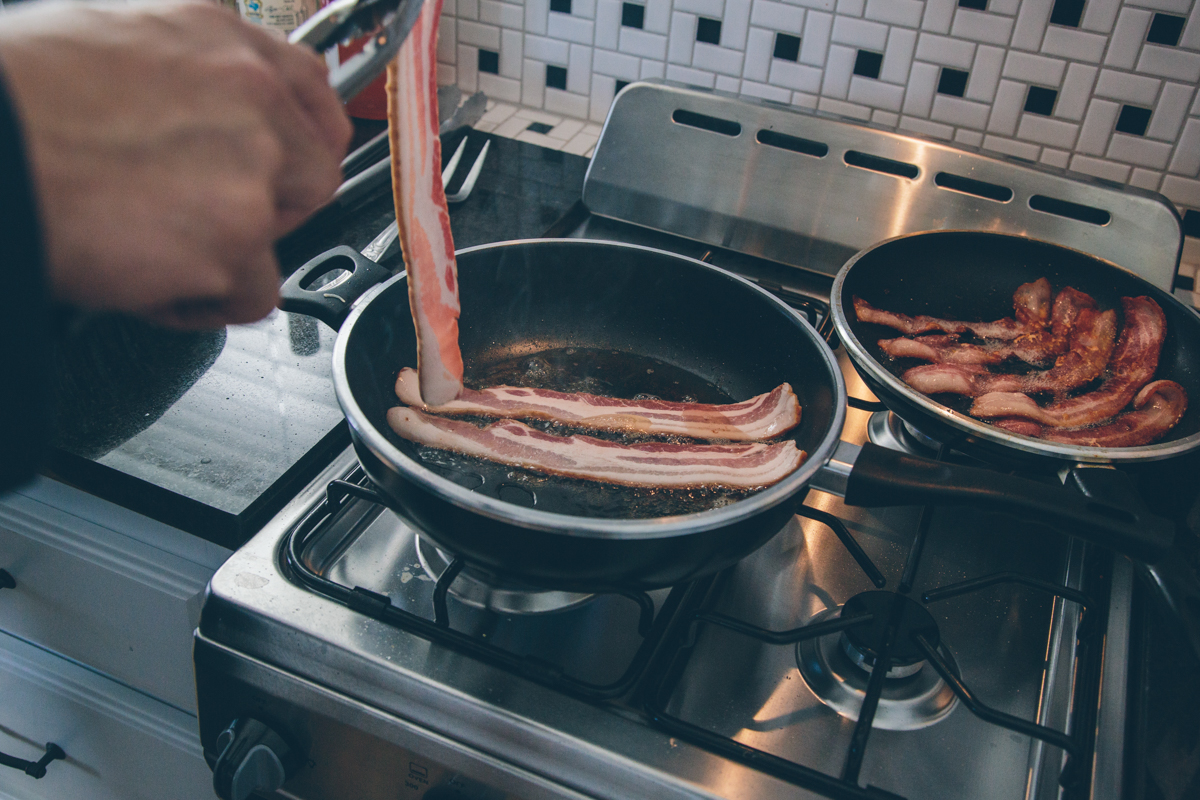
x,y
1103,87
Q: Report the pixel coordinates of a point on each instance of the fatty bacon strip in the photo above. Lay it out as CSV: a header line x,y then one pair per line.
x,y
763,417
1132,366
1158,407
1038,346
421,211
653,464
1031,305
1092,342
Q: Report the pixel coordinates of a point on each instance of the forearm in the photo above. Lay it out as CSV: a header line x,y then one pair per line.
x,y
25,402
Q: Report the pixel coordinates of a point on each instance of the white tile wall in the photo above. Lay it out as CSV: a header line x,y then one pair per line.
x,y
1096,69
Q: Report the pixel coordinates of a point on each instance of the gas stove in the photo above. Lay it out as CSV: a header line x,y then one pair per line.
x,y
340,654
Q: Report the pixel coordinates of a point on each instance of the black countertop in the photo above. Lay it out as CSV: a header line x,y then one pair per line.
x,y
213,432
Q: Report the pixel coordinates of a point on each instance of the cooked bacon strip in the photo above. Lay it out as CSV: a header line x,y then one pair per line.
x,y
763,417
1092,342
421,211
1031,303
1158,407
654,464
1037,347
1132,367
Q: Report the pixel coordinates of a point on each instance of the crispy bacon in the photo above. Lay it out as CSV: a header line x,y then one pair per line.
x,y
655,464
1031,303
763,417
1037,346
1132,366
1092,342
421,211
1158,407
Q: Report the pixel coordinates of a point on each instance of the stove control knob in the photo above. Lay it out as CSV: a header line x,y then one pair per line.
x,y
252,758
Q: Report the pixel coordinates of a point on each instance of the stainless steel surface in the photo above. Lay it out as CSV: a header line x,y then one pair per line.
x,y
906,705
466,114
380,244
477,592
344,19
833,475
814,212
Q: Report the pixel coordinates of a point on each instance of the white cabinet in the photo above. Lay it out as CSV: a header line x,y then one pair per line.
x,y
96,647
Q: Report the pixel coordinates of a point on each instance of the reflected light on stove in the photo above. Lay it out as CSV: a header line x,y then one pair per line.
x,y
906,192
782,702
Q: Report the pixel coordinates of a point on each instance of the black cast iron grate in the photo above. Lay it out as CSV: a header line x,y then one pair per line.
x,y
340,493
1077,745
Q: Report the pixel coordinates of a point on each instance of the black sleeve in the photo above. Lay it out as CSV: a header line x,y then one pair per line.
x,y
25,346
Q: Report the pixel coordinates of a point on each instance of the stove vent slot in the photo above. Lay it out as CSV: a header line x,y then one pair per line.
x,y
988,191
796,144
725,127
900,169
1062,208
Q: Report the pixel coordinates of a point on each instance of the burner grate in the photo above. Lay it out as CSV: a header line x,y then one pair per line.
x,y
888,647
340,493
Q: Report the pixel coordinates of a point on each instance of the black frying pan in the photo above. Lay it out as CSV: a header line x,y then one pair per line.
x,y
521,299
972,275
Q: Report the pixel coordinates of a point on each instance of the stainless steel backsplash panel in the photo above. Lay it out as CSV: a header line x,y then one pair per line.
x,y
694,163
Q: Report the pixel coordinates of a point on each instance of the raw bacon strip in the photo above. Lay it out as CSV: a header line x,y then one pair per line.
x,y
1132,366
1158,407
655,464
1092,343
763,417
1031,302
421,211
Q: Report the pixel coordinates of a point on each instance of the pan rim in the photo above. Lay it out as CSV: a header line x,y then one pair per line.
x,y
374,440
971,426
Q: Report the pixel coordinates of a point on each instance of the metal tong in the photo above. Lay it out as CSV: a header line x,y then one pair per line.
x,y
387,21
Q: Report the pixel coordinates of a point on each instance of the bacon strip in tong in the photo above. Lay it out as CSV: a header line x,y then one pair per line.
x,y
1092,342
1158,407
653,464
421,211
1031,304
763,417
1132,367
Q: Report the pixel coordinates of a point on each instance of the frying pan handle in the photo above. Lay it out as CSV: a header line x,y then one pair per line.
x,y
883,477
331,303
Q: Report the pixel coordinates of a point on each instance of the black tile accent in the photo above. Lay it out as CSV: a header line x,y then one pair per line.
x,y
867,63
978,5
1165,29
556,77
619,85
1191,223
787,47
953,82
708,30
539,127
1040,100
489,62
1133,120
633,15
1067,12
561,6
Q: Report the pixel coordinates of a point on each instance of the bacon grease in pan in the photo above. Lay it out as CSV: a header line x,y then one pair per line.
x,y
765,416
653,464
421,210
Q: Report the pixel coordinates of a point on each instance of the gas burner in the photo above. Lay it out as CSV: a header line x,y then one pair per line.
x,y
886,429
478,592
837,667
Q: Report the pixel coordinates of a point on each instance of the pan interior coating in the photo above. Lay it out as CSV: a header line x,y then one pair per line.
x,y
972,276
630,311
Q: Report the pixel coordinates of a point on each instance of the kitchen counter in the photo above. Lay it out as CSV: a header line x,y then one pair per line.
x,y
212,432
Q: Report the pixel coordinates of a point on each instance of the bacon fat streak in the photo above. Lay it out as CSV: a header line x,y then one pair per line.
x,y
421,210
763,417
654,464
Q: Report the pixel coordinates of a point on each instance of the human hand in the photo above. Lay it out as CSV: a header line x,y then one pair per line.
x,y
170,145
